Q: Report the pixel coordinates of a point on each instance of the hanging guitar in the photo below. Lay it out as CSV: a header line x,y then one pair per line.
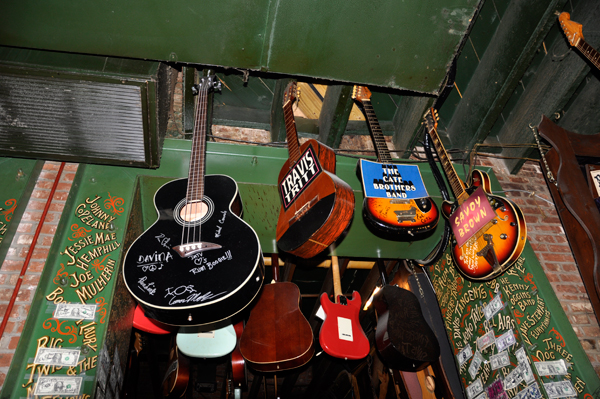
x,y
405,218
206,344
199,263
489,231
316,205
341,335
177,377
277,336
403,338
574,34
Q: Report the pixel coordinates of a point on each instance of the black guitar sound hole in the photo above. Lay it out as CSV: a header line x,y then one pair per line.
x,y
193,214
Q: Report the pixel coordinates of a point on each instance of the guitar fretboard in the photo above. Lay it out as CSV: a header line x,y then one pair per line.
x,y
195,189
383,154
589,52
456,183
290,130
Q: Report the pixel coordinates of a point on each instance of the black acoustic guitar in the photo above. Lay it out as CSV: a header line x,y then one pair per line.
x,y
199,263
403,338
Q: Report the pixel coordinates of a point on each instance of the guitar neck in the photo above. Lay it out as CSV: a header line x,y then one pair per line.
x,y
589,52
337,284
383,154
195,189
291,133
456,183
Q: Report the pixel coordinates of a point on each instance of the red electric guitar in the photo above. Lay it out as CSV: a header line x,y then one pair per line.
x,y
407,218
574,34
493,247
341,335
316,205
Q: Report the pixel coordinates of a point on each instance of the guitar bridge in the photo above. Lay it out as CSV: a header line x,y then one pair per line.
x,y
300,212
489,253
407,215
191,249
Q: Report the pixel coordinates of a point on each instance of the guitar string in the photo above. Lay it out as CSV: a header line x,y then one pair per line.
x,y
192,172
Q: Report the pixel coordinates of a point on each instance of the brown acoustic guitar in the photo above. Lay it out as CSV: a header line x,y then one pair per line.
x,y
177,377
277,336
393,217
316,205
493,228
574,34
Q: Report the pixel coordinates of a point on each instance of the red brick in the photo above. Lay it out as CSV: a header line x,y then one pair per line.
x,y
588,344
25,228
46,240
44,184
36,266
67,177
553,278
553,267
5,359
582,307
570,278
12,265
25,239
60,195
32,216
50,165
559,248
545,238
549,228
567,288
580,319
13,342
48,175
570,267
539,247
64,186
48,229
557,257
40,253
591,331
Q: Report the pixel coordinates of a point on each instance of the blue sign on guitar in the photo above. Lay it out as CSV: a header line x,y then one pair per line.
x,y
390,180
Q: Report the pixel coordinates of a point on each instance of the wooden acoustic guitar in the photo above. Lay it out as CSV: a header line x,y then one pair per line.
x,y
316,205
177,377
239,372
403,338
277,336
494,246
199,263
574,34
341,335
405,218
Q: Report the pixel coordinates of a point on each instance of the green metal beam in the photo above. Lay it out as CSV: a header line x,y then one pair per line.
x,y
500,69
555,81
335,111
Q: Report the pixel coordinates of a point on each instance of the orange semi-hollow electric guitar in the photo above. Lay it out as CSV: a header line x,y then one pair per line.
x,y
496,245
316,205
405,218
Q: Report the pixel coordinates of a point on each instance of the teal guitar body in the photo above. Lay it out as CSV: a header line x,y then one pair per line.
x,y
206,344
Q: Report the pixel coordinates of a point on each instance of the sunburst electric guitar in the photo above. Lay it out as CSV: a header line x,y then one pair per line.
x,y
402,217
489,231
